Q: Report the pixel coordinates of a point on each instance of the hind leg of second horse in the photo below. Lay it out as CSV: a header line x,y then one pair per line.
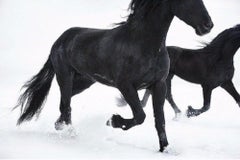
x,y
169,95
229,87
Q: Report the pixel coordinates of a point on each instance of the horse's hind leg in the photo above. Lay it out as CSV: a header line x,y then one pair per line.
x,y
169,95
79,84
131,96
229,87
64,77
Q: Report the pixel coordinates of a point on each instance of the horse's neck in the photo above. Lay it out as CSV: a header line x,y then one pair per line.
x,y
230,48
153,30
223,50
236,45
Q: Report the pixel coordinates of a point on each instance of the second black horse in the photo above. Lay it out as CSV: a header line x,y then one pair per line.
x,y
211,67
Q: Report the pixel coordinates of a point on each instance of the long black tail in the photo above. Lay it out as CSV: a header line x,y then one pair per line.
x,y
31,101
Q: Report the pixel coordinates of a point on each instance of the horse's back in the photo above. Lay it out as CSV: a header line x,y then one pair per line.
x,y
75,34
188,64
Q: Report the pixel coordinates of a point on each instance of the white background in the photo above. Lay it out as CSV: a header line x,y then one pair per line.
x,y
28,28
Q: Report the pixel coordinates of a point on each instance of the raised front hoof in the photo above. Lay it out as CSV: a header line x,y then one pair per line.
x,y
191,112
116,121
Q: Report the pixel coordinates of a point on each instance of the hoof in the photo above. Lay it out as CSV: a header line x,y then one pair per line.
x,y
190,112
60,125
163,148
163,142
177,116
62,122
116,121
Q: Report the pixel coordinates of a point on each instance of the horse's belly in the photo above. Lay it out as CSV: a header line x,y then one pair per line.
x,y
104,80
190,78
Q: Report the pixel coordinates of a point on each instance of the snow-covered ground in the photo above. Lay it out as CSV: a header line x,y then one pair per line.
x,y
28,29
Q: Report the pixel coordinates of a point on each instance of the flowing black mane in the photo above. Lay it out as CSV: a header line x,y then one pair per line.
x,y
139,9
223,37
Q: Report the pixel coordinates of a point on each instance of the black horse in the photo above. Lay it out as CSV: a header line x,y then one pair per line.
x,y
211,67
126,57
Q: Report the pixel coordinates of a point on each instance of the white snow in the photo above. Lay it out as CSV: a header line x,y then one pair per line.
x,y
29,28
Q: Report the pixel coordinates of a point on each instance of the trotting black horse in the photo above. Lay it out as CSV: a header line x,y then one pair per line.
x,y
210,66
126,57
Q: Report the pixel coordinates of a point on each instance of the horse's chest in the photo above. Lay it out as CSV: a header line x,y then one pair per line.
x,y
157,70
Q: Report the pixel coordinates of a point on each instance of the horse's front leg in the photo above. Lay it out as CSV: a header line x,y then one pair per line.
x,y
131,96
207,92
158,96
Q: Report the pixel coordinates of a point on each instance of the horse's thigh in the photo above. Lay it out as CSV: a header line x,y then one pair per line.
x,y
80,83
